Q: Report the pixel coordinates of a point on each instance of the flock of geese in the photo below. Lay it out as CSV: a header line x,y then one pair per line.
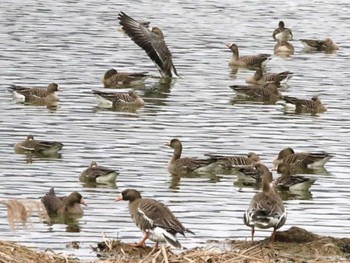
x,y
154,218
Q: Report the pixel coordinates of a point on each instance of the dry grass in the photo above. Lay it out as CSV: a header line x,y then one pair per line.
x,y
14,253
293,245
19,211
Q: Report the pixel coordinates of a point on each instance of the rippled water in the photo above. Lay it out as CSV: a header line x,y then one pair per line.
x,y
74,42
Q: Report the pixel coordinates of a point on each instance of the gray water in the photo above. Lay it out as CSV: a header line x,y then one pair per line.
x,y
73,43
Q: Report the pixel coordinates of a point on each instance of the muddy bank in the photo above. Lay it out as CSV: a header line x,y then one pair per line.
x,y
293,245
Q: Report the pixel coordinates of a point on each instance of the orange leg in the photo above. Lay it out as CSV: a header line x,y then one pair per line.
x,y
142,242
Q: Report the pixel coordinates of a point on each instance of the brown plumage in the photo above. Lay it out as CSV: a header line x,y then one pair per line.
x,y
310,159
235,161
113,99
320,45
99,174
178,165
314,105
284,49
292,182
253,61
152,42
268,92
114,79
281,33
266,208
66,206
154,219
30,145
261,78
252,174
35,95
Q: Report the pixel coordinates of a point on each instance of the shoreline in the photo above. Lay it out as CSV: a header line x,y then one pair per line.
x,y
293,245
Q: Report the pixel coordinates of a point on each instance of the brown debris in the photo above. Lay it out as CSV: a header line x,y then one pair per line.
x,y
294,245
14,253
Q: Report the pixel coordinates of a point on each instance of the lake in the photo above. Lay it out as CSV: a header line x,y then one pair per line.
x,y
73,43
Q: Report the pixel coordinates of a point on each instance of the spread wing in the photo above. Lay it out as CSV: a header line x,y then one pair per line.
x,y
153,44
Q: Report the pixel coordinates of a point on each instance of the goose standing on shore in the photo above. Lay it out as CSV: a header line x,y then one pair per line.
x,y
266,208
154,218
152,42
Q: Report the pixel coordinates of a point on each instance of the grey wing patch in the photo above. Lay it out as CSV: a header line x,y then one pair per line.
x,y
141,36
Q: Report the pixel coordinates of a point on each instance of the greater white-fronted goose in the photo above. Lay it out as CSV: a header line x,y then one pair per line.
x,y
66,206
293,183
114,79
268,92
99,174
114,99
327,44
284,49
314,105
266,208
252,61
30,145
260,78
35,95
281,33
251,174
235,161
152,42
178,165
154,219
310,159
296,167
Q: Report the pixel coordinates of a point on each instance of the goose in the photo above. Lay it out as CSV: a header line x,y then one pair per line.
x,y
284,49
35,95
113,99
154,219
260,78
114,79
99,174
268,92
251,174
281,33
327,44
178,165
238,161
292,183
30,145
310,159
266,209
314,105
66,206
152,42
250,61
